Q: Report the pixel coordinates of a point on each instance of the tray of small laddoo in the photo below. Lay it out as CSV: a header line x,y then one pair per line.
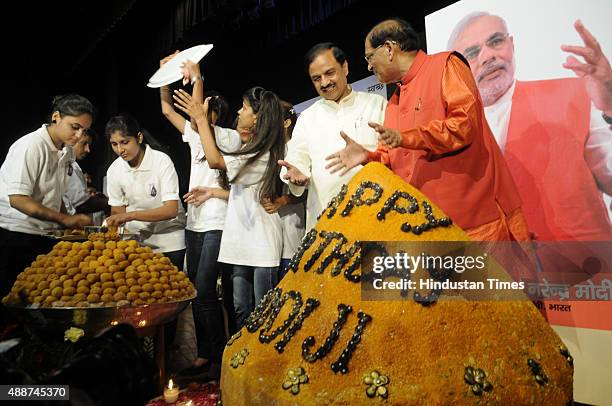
x,y
68,234
94,233
100,282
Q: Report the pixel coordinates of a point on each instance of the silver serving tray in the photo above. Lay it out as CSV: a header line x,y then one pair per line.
x,y
95,319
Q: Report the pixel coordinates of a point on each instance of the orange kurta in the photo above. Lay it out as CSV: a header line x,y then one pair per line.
x,y
448,150
545,151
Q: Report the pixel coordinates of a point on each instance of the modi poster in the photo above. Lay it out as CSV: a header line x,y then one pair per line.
x,y
549,122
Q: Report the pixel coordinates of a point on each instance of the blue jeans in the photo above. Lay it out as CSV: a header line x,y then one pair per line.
x,y
250,285
282,270
203,270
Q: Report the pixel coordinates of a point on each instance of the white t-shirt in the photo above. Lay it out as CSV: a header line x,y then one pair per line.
x,y
211,214
155,181
76,189
293,217
33,167
317,135
251,236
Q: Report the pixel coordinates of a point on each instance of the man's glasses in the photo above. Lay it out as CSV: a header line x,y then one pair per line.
x,y
495,41
371,54
368,57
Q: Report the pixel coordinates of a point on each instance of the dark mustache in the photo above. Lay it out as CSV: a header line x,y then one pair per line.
x,y
327,87
490,68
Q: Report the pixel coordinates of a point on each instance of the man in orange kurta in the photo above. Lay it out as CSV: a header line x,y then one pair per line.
x,y
436,138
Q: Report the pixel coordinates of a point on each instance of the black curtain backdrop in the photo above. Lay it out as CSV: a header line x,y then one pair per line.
x,y
107,50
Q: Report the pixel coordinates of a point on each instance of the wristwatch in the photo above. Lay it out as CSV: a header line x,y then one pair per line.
x,y
196,78
607,118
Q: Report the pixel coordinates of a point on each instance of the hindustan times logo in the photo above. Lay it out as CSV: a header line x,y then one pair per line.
x,y
458,263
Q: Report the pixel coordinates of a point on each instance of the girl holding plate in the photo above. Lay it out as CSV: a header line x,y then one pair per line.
x,y
205,223
252,238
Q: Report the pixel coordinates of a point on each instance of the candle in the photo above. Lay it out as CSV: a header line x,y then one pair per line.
x,y
171,392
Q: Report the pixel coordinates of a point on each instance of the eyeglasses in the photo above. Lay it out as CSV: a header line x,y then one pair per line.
x,y
495,41
368,57
371,54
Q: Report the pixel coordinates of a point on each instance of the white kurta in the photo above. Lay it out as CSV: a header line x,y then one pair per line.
x,y
317,135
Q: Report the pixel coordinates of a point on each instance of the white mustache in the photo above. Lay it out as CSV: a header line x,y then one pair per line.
x,y
490,68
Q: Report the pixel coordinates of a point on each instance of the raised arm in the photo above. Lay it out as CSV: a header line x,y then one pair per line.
x,y
165,96
198,85
199,113
595,69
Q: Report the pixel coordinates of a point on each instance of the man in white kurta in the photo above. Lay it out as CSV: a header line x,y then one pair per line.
x,y
317,131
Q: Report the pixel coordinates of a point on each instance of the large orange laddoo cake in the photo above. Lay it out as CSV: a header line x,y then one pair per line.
x,y
314,341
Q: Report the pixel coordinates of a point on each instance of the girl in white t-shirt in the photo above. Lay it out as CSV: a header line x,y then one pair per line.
x,y
252,238
291,209
143,190
33,179
205,219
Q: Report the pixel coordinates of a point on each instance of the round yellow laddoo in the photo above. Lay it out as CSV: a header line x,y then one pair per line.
x,y
100,270
105,277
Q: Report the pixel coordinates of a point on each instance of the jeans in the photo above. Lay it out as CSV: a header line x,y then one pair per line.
x,y
250,285
203,270
282,270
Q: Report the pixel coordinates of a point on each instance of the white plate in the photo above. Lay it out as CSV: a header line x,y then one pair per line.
x,y
171,71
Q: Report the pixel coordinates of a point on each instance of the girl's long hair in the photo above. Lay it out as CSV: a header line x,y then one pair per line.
x,y
268,136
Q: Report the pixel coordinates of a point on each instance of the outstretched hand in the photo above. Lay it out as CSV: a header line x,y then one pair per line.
x,y
595,70
77,221
185,103
389,137
117,220
294,175
346,159
198,195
